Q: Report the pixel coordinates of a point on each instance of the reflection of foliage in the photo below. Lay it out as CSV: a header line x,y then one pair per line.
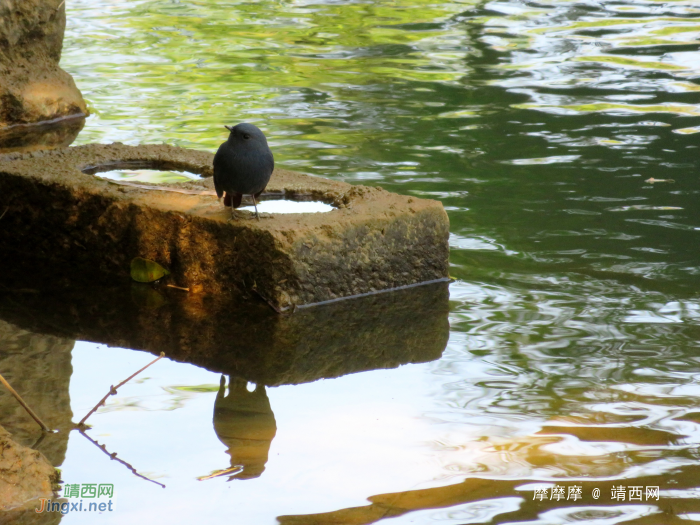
x,y
176,397
183,69
152,176
196,388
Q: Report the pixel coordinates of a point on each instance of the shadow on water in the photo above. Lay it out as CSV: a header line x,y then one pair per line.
x,y
240,338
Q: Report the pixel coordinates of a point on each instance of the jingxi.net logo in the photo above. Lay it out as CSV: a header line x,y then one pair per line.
x,y
84,497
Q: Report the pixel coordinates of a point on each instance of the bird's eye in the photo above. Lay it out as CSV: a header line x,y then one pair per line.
x,y
246,136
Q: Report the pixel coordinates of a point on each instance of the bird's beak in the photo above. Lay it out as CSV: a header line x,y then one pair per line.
x,y
229,128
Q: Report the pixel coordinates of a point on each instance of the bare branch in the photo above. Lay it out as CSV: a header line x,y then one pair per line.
x,y
113,390
113,455
24,405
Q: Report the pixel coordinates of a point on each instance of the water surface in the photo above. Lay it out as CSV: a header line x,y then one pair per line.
x,y
562,139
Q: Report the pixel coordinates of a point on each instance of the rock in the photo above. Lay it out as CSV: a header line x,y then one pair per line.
x,y
26,474
33,88
373,241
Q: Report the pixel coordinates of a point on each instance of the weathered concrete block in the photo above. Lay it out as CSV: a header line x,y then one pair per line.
x,y
224,333
375,240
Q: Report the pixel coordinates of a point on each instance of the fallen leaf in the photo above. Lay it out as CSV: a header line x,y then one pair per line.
x,y
146,271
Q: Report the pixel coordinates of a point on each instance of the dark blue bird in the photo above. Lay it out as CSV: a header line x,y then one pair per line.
x,y
242,166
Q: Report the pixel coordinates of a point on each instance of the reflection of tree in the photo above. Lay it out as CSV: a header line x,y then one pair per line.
x,y
244,422
550,355
246,61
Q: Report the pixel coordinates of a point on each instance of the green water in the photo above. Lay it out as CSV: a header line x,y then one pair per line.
x,y
562,139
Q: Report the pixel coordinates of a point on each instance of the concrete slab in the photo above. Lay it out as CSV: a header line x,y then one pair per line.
x,y
221,333
373,241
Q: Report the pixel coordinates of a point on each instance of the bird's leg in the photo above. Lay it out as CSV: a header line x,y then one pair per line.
x,y
256,208
228,201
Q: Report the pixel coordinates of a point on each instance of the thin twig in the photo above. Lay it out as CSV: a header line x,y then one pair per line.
x,y
3,213
24,405
113,455
38,441
177,287
59,5
113,389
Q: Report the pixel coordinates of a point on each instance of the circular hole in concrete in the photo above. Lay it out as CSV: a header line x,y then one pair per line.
x,y
149,176
146,173
288,206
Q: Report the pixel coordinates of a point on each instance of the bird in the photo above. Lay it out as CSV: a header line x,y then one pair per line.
x,y
242,166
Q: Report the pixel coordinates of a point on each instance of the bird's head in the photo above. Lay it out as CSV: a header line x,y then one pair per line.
x,y
246,133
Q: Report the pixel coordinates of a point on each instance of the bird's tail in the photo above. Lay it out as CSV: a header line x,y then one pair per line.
x,y
233,199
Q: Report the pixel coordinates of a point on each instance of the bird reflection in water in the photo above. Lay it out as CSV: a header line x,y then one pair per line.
x,y
243,421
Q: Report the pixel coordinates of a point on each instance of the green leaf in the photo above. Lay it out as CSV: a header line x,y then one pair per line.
x,y
147,297
146,271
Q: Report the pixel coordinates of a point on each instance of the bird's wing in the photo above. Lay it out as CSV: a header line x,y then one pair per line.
x,y
219,167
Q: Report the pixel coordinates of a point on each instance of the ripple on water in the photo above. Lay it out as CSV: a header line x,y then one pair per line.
x,y
572,358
